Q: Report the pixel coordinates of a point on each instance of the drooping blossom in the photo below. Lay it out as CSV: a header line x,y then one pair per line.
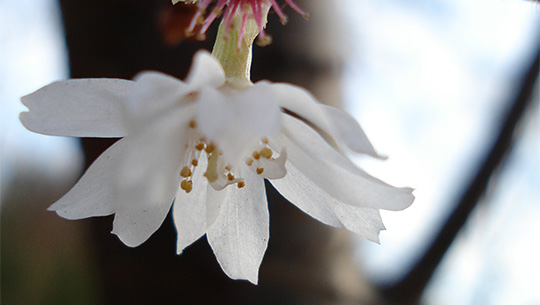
x,y
205,147
246,9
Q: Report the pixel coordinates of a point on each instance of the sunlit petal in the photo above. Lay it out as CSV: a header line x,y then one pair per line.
x,y
239,236
365,222
149,177
206,71
153,95
133,227
78,108
312,200
347,131
95,193
189,209
307,196
339,126
237,120
335,174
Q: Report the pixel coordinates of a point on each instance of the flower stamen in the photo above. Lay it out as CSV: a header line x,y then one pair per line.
x,y
266,152
200,146
185,172
210,148
186,185
229,8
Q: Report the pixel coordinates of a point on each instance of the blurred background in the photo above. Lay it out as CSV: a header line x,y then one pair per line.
x,y
431,82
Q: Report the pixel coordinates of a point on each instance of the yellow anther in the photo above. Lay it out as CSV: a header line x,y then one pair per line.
x,y
266,152
249,162
256,155
194,162
228,168
241,184
199,146
185,172
186,185
192,124
210,148
230,177
260,170
264,141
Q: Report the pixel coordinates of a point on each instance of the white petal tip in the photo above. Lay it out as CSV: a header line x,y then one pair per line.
x,y
252,280
65,213
408,198
26,99
132,243
180,249
379,156
25,119
206,70
375,240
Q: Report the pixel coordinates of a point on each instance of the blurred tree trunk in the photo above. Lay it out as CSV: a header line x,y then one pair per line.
x,y
306,261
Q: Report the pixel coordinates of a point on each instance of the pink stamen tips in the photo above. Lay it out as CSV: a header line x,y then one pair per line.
x,y
282,17
296,8
241,32
247,8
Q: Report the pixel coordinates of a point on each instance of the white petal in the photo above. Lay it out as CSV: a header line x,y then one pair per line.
x,y
149,176
335,174
239,236
347,131
312,200
341,127
206,71
236,120
154,94
95,193
189,209
78,108
307,196
214,202
365,222
134,227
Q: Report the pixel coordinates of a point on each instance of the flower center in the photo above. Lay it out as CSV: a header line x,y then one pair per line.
x,y
219,172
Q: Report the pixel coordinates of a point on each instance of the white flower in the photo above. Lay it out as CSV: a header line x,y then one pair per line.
x,y
207,146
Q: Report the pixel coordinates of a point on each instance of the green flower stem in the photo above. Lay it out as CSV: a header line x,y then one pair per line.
x,y
237,61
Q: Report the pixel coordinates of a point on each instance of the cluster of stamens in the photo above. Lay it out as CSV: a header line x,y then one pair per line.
x,y
194,147
255,160
229,8
218,173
